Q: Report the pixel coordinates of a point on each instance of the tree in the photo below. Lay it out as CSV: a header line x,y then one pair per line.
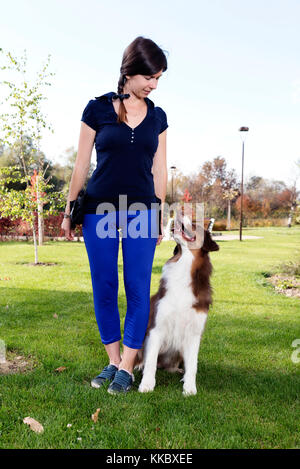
x,y
23,204
25,122
229,195
214,180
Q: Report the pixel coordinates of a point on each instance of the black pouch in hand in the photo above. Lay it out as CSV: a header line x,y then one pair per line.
x,y
158,200
77,209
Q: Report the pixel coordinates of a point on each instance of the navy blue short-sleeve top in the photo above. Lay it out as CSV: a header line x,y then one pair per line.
x,y
124,154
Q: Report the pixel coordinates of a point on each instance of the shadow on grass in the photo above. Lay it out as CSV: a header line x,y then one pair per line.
x,y
234,379
269,305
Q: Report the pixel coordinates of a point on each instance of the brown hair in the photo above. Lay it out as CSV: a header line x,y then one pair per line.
x,y
141,57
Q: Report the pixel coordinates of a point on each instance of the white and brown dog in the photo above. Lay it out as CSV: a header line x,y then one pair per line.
x,y
178,311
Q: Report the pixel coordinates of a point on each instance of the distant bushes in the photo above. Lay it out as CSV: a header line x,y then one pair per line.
x,y
52,227
220,225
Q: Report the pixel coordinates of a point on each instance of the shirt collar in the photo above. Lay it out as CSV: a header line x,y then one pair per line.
x,y
108,97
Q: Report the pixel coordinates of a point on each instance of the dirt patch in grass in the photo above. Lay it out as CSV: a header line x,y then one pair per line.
x,y
37,264
42,263
288,285
14,362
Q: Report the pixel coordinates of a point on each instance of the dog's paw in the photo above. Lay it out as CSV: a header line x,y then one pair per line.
x,y
147,385
139,367
189,390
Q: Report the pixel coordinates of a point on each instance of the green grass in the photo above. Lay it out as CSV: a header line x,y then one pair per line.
x,y
248,386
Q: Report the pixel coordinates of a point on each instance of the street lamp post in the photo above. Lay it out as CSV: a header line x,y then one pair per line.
x,y
173,169
243,136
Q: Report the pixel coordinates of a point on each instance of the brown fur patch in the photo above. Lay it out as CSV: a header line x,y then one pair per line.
x,y
200,273
170,361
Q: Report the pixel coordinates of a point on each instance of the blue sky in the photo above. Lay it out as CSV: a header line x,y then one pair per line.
x,y
230,64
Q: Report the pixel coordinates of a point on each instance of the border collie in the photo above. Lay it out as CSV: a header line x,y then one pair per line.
x,y
178,311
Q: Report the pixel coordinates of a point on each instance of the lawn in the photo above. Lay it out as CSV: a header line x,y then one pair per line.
x,y
248,386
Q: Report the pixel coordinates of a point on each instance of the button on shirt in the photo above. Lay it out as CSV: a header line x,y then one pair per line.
x,y
124,154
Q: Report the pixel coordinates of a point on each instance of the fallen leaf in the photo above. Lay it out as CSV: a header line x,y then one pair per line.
x,y
34,424
55,316
60,369
95,416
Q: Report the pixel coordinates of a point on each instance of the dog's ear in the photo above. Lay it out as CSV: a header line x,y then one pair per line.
x,y
176,250
209,244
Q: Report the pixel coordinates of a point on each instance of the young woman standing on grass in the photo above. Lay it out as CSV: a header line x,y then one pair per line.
x,y
129,133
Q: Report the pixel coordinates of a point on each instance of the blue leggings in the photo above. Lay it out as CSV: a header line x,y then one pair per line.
x,y
138,255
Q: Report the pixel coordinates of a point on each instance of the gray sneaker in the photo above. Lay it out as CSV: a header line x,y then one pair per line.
x,y
121,383
107,374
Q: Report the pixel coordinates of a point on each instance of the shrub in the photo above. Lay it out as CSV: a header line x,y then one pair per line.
x,y
219,226
290,267
20,227
6,224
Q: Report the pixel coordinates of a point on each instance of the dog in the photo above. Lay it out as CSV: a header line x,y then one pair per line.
x,y
178,311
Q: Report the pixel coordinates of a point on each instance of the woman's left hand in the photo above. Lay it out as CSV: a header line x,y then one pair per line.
x,y
160,237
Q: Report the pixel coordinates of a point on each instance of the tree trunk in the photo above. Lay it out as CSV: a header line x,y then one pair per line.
x,y
40,213
40,224
34,242
228,215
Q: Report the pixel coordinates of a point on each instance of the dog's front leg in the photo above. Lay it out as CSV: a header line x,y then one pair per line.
x,y
152,346
190,355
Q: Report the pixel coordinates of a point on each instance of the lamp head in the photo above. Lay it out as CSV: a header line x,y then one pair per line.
x,y
243,134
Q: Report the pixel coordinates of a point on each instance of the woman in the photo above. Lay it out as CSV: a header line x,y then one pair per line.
x,y
129,132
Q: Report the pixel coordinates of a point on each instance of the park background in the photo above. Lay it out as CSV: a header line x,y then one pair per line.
x,y
230,64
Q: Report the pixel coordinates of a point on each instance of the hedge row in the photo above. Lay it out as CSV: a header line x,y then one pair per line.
x,y
19,227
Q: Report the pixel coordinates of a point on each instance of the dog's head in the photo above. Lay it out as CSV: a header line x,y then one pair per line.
x,y
190,234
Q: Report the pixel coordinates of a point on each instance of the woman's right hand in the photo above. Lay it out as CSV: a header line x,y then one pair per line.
x,y
66,225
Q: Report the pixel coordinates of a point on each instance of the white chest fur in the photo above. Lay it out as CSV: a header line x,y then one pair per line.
x,y
176,319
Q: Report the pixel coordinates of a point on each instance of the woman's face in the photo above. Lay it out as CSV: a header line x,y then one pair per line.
x,y
142,85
